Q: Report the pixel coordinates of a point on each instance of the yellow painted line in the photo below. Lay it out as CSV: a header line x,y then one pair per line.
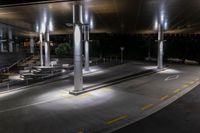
x,y
86,95
177,90
185,86
116,119
147,106
64,94
164,97
192,82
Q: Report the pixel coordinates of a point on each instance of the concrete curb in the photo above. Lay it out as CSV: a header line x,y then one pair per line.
x,y
113,82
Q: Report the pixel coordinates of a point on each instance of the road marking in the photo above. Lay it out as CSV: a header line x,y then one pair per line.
x,y
164,97
65,94
80,132
185,86
116,119
83,96
192,82
147,106
28,105
177,90
173,77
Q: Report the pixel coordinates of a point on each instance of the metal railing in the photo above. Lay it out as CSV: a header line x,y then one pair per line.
x,y
7,69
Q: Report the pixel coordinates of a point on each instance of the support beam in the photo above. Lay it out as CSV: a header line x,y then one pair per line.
x,y
31,45
10,40
77,32
41,50
47,49
160,46
86,41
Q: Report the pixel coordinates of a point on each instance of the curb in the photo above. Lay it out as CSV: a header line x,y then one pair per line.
x,y
115,81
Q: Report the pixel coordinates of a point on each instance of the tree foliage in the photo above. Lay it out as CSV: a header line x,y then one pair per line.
x,y
63,50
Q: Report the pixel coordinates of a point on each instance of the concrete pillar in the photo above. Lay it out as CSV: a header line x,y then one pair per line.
x,y
47,49
86,41
10,40
31,45
77,32
41,50
160,46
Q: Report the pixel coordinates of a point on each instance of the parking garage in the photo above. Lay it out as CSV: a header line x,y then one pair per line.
x,y
93,66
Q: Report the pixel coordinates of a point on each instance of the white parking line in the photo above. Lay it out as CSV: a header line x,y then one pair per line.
x,y
173,77
28,105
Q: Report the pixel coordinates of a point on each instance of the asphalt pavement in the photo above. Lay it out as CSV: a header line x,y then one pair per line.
x,y
182,116
49,108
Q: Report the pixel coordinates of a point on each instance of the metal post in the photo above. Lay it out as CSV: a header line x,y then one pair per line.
x,y
149,50
47,51
41,50
160,46
31,45
17,47
86,40
122,54
2,47
1,42
78,74
10,38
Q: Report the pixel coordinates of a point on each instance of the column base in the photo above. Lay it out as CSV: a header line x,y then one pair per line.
x,y
76,93
161,68
87,69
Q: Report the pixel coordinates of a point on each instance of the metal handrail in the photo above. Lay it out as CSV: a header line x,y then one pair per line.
x,y
14,64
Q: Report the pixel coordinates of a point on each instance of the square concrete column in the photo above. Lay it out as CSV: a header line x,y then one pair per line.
x,y
32,45
47,49
86,41
41,50
160,46
77,32
10,40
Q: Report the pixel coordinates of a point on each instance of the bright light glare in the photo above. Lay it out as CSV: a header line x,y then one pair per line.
x,y
43,27
50,26
45,17
162,17
170,71
165,25
86,16
150,67
37,28
156,25
91,24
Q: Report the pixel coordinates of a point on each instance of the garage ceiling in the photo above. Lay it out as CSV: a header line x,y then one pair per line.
x,y
109,16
